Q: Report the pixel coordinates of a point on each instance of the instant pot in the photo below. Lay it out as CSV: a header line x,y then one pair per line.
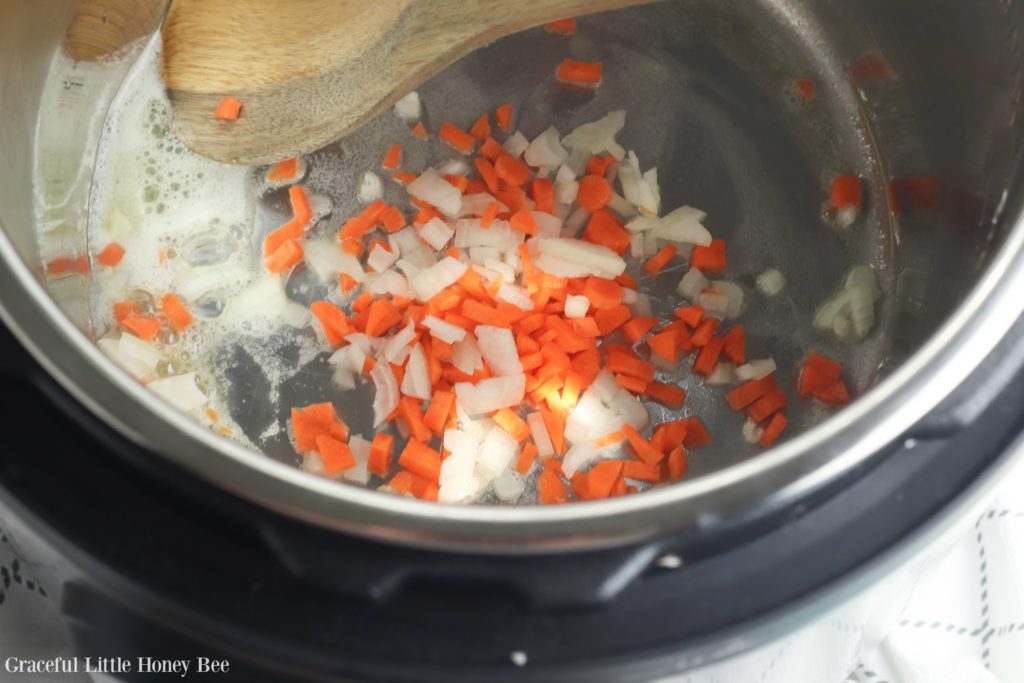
x,y
180,543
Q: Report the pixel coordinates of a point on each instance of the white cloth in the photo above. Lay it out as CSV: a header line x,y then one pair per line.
x,y
959,618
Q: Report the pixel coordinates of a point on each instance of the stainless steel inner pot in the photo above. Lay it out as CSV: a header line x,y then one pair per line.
x,y
919,98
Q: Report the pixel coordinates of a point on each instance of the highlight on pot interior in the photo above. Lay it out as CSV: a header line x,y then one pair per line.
x,y
605,340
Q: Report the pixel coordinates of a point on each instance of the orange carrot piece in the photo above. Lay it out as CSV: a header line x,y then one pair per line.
x,y
333,322
491,149
620,362
704,332
393,159
551,488
636,469
513,425
603,294
523,221
745,394
487,174
513,171
835,394
379,462
409,408
594,193
111,255
542,190
696,433
392,220
710,259
457,138
555,425
336,455
610,438
691,315
229,109
421,460
636,328
666,345
602,477
403,177
773,429
283,170
644,450
66,265
125,309
846,191
300,205
563,27
598,165
482,128
612,319
526,458
419,130
767,405
657,262
483,314
284,257
817,373
503,115
677,464
666,394
383,316
708,356
142,326
579,73
605,229
347,282
806,88
176,313
490,213
631,384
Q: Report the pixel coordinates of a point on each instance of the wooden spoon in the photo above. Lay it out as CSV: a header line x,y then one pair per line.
x,y
310,71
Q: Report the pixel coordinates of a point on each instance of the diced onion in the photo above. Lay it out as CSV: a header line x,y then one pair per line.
x,y
180,391
138,357
576,306
692,284
599,136
722,375
436,233
751,432
469,233
380,259
385,398
508,486
498,346
489,395
566,185
389,282
476,204
371,188
466,355
326,259
684,225
547,224
539,432
771,282
360,448
416,380
408,108
515,295
546,150
443,274
577,457
755,369
516,144
733,293
444,330
576,258
433,189
496,454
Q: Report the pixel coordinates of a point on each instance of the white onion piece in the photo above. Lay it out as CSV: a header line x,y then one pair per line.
x,y
399,340
547,224
489,395
651,245
469,233
466,355
629,296
360,448
407,244
575,222
539,432
408,108
846,216
180,391
326,259
508,486
480,255
416,380
751,432
500,268
842,327
771,282
576,306
714,303
566,186
454,167
619,205
265,300
433,280
385,398
864,276
592,259
755,369
834,307
515,295
636,245
350,357
409,269
516,144
630,408
684,225
462,490
635,187
476,204
642,307
380,259
444,330
605,386
692,284
599,136
371,188
496,454
433,189
722,375
578,456
436,233
643,224
862,309
389,282
498,346
135,355
650,180
546,150
733,293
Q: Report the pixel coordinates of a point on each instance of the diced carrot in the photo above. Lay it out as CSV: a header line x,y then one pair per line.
x,y
352,246
284,257
710,259
457,138
300,205
735,348
602,477
336,455
513,171
579,73
483,314
526,458
333,322
503,115
817,373
636,469
603,294
833,394
605,229
805,88
564,27
347,282
666,345
523,221
392,220
772,430
666,394
403,177
657,262
487,173
176,313
111,255
459,181
705,332
490,213
636,328
229,109
708,356
696,433
610,320
847,191
556,429
283,170
767,405
543,192
691,315
491,149
514,425
621,362
421,460
383,316
482,128
551,488
292,230
362,302
124,309
64,266
745,394
644,450
594,193
587,364
379,462
632,384
677,464
610,438
409,408
512,197
142,326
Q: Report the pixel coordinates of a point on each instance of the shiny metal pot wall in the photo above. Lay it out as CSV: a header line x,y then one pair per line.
x,y
922,99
